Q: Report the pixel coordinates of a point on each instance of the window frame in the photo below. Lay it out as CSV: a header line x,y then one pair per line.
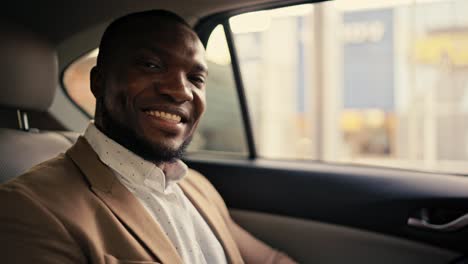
x,y
205,27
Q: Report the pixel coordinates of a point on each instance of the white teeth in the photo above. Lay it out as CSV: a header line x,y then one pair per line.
x,y
165,115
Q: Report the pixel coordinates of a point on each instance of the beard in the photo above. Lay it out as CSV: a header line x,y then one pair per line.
x,y
129,139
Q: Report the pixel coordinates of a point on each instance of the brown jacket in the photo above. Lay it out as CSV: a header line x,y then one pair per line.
x,y
72,209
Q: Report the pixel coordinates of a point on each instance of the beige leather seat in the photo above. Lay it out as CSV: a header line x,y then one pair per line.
x,y
28,80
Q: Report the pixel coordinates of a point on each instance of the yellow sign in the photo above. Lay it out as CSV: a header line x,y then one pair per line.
x,y
443,47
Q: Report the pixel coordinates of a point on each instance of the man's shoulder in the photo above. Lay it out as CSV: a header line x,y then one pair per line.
x,y
49,180
199,183
196,180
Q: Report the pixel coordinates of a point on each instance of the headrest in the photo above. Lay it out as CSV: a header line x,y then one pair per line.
x,y
28,70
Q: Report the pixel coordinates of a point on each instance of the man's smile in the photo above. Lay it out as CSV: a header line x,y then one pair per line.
x,y
167,112
172,121
166,116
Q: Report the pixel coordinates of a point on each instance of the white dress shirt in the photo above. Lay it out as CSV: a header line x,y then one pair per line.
x,y
162,197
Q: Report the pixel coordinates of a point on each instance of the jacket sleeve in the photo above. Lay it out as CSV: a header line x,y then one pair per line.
x,y
252,250
29,233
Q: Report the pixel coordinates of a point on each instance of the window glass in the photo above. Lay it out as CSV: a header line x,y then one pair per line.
x,y
221,128
368,82
76,82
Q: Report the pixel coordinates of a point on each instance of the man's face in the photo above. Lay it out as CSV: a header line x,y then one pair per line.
x,y
153,89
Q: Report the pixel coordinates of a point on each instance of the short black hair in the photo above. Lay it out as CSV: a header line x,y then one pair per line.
x,y
115,28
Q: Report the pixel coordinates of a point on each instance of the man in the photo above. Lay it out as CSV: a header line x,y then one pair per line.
x,y
121,194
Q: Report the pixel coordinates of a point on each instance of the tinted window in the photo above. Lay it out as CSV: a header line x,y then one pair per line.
x,y
368,82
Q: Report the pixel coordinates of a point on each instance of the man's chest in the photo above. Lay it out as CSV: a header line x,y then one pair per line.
x,y
188,232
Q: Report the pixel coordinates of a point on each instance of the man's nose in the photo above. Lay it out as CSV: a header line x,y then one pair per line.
x,y
178,88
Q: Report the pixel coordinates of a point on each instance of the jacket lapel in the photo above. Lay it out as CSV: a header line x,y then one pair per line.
x,y
122,202
214,220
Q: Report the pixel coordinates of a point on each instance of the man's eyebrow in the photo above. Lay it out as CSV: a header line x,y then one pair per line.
x,y
200,68
155,50
158,51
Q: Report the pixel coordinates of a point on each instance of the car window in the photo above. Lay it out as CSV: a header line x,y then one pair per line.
x,y
221,129
76,82
367,82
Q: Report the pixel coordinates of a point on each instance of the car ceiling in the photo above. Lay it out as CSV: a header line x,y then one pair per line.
x,y
58,20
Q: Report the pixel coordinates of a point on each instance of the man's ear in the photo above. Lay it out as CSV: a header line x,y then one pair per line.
x,y
97,82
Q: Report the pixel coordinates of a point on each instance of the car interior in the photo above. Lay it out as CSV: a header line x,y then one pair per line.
x,y
316,209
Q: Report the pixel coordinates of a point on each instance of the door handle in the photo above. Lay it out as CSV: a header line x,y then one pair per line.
x,y
454,225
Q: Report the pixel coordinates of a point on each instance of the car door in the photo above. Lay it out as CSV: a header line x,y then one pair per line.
x,y
331,136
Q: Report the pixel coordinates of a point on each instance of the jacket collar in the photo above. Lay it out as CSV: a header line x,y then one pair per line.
x,y
126,207
122,203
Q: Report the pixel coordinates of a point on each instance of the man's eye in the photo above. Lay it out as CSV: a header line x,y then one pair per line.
x,y
197,80
151,65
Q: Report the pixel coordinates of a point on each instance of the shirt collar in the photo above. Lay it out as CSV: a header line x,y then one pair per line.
x,y
133,168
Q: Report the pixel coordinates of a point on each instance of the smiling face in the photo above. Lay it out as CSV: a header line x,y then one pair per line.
x,y
151,91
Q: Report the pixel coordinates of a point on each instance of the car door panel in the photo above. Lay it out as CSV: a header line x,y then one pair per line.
x,y
315,242
366,198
